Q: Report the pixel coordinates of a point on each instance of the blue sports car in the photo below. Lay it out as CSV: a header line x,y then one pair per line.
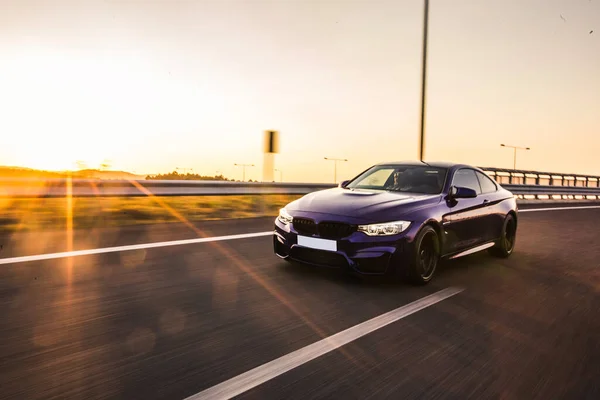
x,y
399,219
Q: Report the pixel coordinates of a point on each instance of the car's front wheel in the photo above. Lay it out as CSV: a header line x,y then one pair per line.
x,y
425,257
504,247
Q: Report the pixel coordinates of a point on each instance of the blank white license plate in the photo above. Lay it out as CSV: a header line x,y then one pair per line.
x,y
315,243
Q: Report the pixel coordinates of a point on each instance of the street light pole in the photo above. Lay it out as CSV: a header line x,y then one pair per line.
x,y
424,80
515,148
335,160
244,169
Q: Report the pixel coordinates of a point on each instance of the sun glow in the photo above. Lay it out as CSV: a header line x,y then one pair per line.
x,y
65,112
61,159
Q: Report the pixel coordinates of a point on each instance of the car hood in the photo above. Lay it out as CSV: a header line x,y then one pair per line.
x,y
362,204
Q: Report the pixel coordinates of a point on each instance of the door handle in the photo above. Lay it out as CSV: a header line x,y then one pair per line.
x,y
486,201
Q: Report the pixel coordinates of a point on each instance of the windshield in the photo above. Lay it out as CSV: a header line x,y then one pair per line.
x,y
402,178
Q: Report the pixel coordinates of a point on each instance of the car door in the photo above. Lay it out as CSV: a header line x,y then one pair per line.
x,y
464,218
494,216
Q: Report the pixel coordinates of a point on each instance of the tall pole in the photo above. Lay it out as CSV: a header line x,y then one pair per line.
x,y
423,81
335,160
244,169
515,148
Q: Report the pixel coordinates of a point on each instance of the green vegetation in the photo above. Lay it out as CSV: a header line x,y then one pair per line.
x,y
103,212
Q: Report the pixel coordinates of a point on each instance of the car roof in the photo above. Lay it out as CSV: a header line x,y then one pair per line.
x,y
436,164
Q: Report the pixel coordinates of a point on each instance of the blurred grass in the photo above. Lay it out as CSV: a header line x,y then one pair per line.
x,y
105,212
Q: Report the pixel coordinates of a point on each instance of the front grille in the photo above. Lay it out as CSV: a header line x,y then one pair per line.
x,y
318,257
305,226
335,230
326,229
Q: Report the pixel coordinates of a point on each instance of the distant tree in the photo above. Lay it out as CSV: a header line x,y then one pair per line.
x,y
105,165
188,177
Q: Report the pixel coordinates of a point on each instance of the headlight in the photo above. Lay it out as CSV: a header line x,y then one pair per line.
x,y
284,217
384,229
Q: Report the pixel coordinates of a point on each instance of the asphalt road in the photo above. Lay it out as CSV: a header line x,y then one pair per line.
x,y
170,322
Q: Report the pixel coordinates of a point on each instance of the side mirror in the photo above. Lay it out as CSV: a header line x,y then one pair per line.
x,y
458,192
344,183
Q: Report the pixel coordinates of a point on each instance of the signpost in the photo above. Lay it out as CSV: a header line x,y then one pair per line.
x,y
270,148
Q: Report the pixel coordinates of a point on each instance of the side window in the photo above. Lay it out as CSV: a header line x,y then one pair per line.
x,y
487,185
466,178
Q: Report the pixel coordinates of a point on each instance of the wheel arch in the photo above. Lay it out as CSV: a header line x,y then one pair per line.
x,y
410,272
514,214
437,227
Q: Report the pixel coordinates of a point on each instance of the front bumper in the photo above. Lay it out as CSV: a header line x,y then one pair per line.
x,y
358,253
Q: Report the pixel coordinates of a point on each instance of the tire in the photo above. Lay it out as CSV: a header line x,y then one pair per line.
x,y
505,246
425,256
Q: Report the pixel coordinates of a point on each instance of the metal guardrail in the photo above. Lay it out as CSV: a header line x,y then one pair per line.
x,y
526,177
517,181
533,192
132,188
536,185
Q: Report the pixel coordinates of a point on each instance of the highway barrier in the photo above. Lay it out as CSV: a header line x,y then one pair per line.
x,y
526,185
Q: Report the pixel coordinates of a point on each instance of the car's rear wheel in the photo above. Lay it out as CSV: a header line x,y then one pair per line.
x,y
505,246
425,257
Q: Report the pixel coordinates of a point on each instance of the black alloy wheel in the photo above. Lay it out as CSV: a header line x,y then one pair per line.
x,y
505,246
426,256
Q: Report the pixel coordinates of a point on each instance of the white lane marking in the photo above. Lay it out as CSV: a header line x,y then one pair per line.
x,y
75,253
272,369
88,252
557,208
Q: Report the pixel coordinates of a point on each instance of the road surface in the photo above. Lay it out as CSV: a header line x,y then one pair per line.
x,y
170,322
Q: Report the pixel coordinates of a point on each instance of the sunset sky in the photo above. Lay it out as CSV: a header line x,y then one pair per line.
x,y
156,84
